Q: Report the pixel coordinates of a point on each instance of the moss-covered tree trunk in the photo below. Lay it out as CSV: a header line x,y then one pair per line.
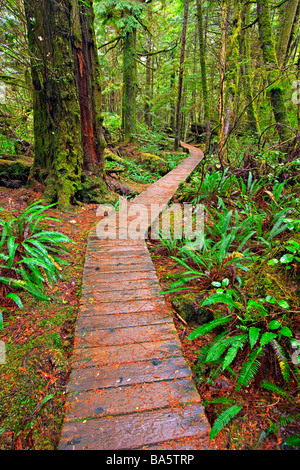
x,y
149,60
246,70
129,84
66,96
276,88
180,80
206,103
221,148
286,31
172,94
87,72
232,71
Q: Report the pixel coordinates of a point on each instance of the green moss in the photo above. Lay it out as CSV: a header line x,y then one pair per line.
x,y
113,157
92,190
189,308
154,163
15,170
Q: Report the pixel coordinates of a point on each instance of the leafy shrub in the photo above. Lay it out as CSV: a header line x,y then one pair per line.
x,y
29,255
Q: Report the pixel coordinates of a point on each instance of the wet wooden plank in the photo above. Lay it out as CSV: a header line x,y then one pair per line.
x,y
126,285
128,353
123,320
123,295
93,276
151,370
130,306
93,337
134,430
127,398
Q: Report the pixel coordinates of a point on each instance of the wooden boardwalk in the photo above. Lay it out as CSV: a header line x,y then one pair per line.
x,y
130,385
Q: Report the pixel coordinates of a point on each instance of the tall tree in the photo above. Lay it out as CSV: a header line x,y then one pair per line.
x,y
286,30
206,103
129,84
66,95
276,88
232,73
246,70
224,11
180,80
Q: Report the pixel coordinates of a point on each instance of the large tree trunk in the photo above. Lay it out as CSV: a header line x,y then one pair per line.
x,y
66,96
252,118
286,30
180,81
203,75
276,89
221,147
87,70
232,71
129,84
149,60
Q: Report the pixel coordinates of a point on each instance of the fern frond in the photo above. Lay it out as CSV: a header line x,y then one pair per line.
x,y
249,368
223,400
230,257
203,329
233,350
253,335
274,388
267,337
219,347
224,419
282,360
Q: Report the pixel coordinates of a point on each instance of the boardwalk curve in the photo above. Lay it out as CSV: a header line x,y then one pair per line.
x,y
130,386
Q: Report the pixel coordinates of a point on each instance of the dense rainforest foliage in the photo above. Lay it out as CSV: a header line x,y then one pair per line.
x,y
95,98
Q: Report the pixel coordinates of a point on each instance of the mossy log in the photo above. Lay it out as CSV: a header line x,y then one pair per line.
x,y
15,169
113,157
154,163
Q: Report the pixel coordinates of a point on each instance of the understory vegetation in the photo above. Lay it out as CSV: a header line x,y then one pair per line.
x,y
236,291
96,99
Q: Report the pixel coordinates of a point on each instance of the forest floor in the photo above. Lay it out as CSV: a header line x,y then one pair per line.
x,y
39,344
247,432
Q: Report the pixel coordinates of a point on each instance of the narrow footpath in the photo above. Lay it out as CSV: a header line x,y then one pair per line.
x,y
130,385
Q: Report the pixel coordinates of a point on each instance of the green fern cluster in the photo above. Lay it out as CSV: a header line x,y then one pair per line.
x,y
226,346
30,257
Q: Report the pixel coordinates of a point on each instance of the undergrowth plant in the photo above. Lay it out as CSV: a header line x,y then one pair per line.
x,y
30,255
248,224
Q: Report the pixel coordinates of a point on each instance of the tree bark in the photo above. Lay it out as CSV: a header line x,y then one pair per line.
x,y
87,70
286,31
66,96
221,147
180,81
129,84
149,60
206,103
276,89
252,118
232,70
